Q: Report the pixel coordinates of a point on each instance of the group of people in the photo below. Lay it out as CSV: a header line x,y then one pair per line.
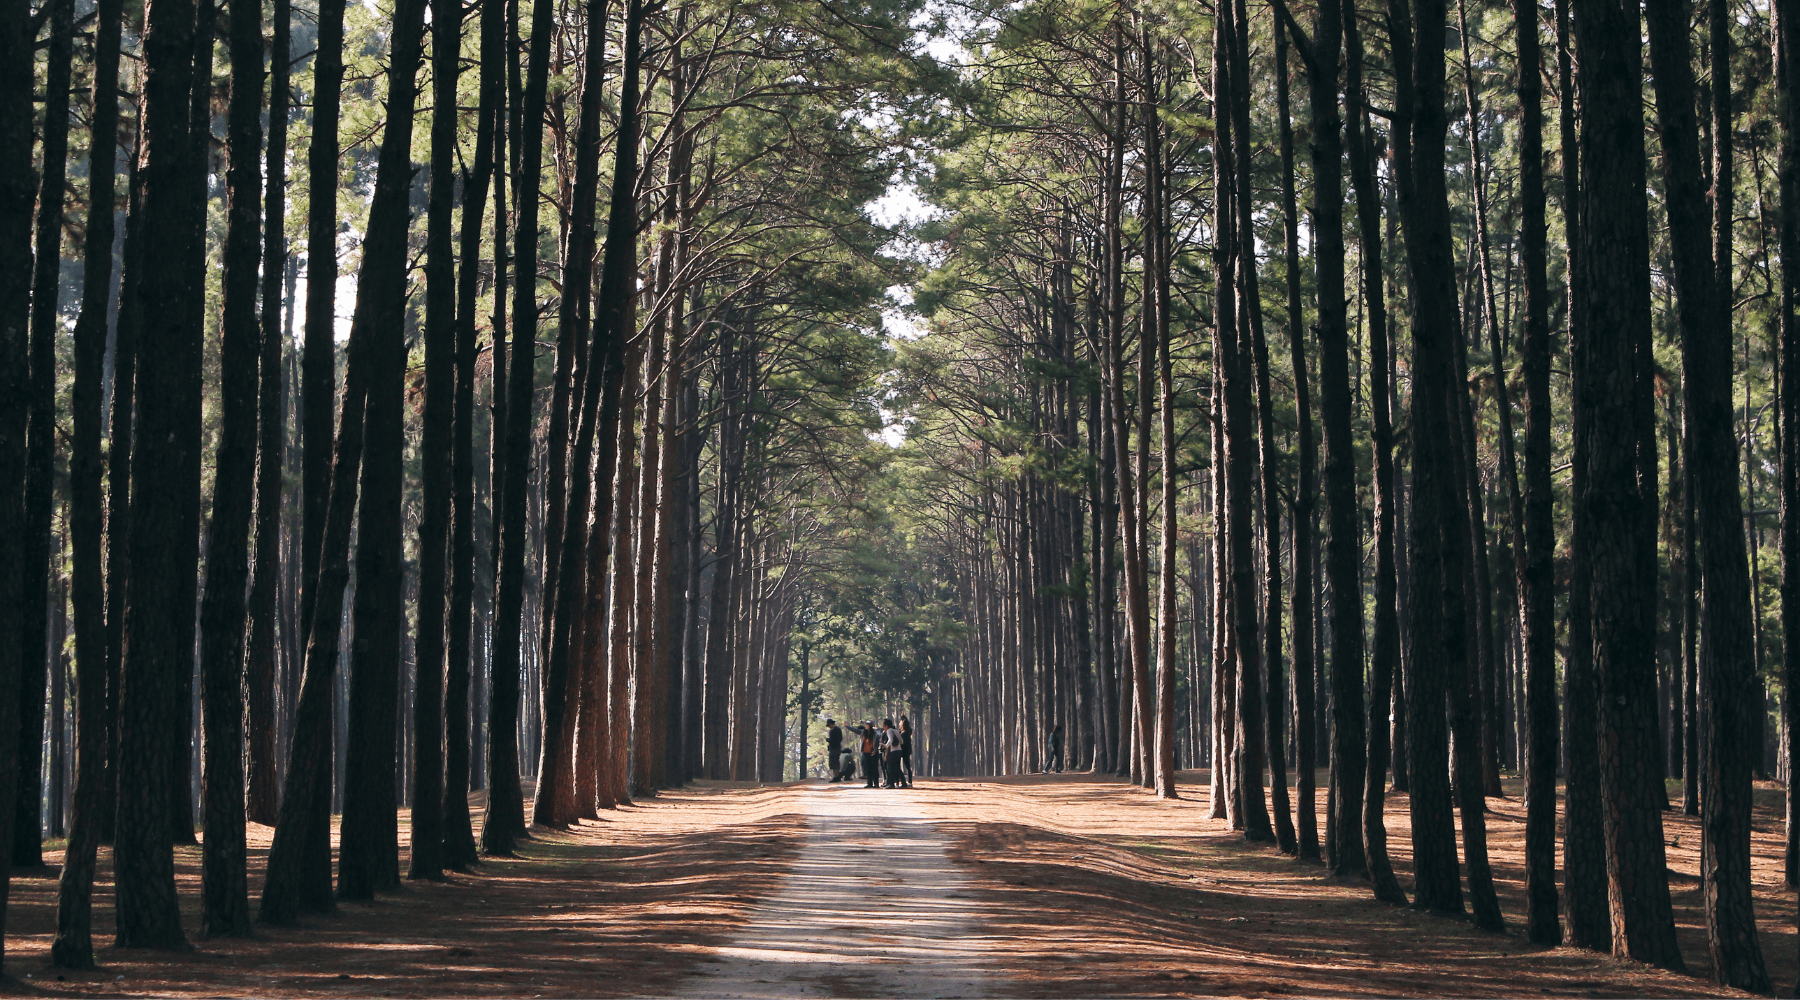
x,y
886,753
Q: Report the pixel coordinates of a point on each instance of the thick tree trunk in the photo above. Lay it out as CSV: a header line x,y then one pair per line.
x,y
225,901
368,851
1611,287
1703,280
156,660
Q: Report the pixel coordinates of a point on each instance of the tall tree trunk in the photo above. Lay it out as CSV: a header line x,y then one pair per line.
x,y
436,449
1611,286
1437,885
368,851
318,374
1385,653
1536,550
18,187
73,946
1344,846
1787,50
1305,488
1156,335
225,901
40,469
505,821
156,661
259,665
556,803
1703,281
1584,845
459,837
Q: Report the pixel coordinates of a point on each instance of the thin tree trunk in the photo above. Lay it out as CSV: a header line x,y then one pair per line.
x,y
73,946
18,187
40,469
259,665
436,450
1305,488
458,831
1385,652
1534,537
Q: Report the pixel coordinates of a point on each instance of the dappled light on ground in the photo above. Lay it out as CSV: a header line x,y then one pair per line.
x,y
1037,885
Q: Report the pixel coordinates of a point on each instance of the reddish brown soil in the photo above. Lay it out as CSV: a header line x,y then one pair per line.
x,y
1095,887
1104,889
620,907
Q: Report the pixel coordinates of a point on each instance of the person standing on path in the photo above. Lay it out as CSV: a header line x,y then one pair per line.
x,y
871,777
906,751
1056,740
890,752
834,747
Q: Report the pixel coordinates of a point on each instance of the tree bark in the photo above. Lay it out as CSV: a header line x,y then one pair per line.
x,y
259,665
156,660
73,948
505,822
1727,658
1611,285
436,450
459,837
225,901
1537,552
18,187
1305,488
40,443
556,803
318,374
1385,652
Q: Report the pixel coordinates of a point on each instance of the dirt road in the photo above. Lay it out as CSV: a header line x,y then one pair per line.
x,y
871,906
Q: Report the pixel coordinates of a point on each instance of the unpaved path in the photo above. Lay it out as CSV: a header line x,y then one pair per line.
x,y
872,906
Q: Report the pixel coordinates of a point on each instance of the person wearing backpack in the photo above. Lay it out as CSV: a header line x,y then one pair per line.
x,y
871,776
906,771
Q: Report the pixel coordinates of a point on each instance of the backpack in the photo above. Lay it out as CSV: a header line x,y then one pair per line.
x,y
868,743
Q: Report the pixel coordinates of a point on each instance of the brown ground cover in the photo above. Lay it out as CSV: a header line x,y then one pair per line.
x,y
1094,888
1105,889
619,907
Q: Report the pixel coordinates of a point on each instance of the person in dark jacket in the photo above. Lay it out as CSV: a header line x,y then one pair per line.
x,y
834,748
906,771
1056,756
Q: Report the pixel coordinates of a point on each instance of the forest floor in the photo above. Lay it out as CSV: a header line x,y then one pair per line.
x,y
1041,885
